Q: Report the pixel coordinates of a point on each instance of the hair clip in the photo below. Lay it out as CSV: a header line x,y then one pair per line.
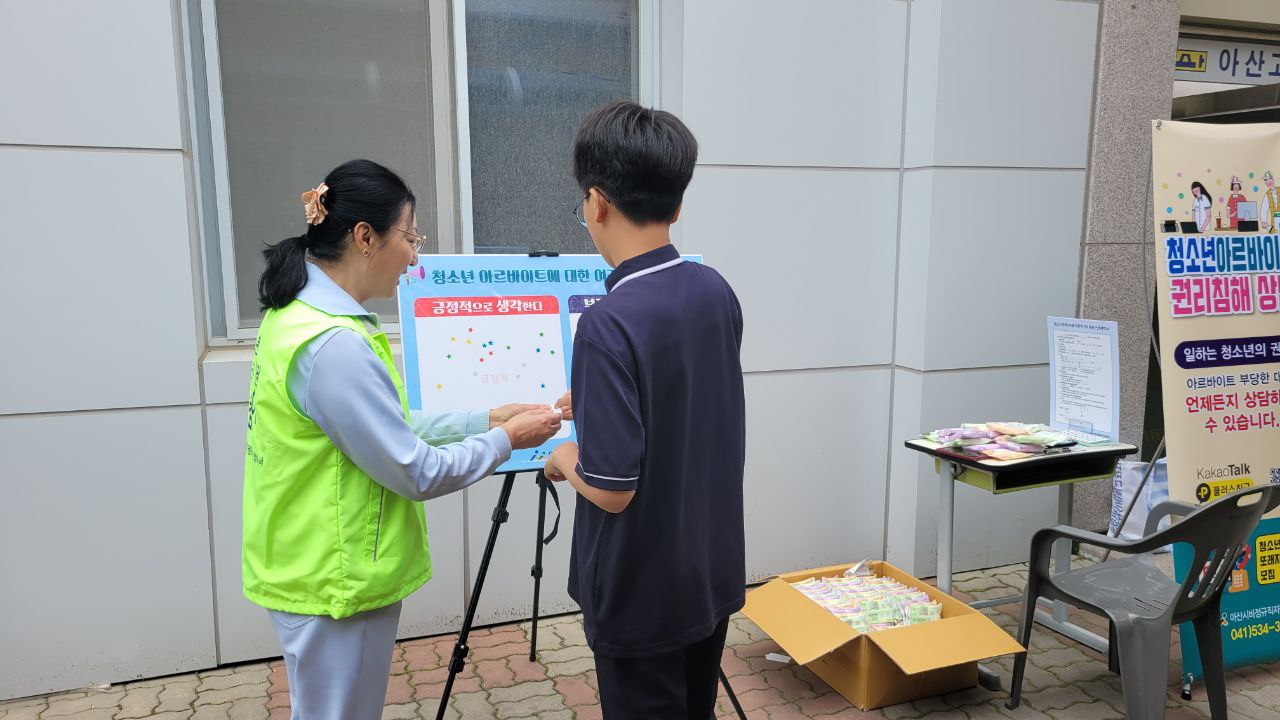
x,y
313,203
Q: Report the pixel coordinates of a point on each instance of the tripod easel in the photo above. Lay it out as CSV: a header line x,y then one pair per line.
x,y
460,650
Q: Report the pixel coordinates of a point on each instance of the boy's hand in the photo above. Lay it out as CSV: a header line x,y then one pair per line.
x,y
563,459
565,403
531,428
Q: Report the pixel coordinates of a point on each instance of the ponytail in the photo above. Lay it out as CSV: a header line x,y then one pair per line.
x,y
354,192
286,273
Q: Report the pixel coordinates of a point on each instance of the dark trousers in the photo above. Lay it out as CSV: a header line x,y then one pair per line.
x,y
681,683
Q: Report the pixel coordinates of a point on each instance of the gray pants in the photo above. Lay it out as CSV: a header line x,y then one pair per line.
x,y
338,669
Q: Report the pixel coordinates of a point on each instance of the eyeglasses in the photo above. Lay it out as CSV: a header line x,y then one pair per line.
x,y
414,239
579,211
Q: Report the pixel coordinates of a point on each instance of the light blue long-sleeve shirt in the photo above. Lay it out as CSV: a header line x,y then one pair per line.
x,y
340,383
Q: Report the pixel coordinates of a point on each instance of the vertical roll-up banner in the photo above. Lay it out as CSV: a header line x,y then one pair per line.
x,y
1216,206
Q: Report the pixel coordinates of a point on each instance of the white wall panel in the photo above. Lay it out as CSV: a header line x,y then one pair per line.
x,y
1002,252
808,83
924,67
1008,92
97,274
905,470
226,374
810,254
244,630
915,268
816,463
82,72
105,547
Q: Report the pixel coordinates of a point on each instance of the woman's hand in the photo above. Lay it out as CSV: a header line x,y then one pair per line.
x,y
531,428
500,415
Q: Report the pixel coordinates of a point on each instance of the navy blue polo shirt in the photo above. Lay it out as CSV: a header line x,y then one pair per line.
x,y
659,409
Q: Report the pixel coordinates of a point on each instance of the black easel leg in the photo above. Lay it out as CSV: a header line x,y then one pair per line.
x,y
537,564
724,680
460,649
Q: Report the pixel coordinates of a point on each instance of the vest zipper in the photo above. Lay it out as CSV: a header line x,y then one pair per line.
x,y
377,532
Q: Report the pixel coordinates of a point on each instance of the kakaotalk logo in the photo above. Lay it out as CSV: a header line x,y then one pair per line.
x,y
1226,471
1218,481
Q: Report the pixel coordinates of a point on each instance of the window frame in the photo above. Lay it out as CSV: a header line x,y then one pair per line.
x,y
451,143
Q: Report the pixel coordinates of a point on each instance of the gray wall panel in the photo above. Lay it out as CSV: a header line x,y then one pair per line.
x,y
90,73
104,546
97,253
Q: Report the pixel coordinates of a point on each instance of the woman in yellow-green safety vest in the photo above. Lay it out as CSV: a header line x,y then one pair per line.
x,y
336,465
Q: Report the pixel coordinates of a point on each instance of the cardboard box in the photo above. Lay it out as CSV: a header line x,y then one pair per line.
x,y
884,667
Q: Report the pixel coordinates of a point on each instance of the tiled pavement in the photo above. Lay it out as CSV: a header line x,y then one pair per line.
x,y
1065,681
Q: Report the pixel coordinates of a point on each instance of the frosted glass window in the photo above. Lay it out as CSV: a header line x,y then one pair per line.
x,y
534,70
307,85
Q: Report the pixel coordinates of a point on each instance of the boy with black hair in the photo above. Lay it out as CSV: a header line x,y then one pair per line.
x,y
658,553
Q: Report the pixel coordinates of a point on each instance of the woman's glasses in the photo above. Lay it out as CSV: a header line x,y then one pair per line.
x,y
416,240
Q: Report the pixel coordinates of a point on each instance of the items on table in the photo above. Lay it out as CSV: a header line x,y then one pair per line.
x,y
868,603
1000,440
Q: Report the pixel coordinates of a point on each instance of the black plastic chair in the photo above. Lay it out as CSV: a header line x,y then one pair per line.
x,y
1142,603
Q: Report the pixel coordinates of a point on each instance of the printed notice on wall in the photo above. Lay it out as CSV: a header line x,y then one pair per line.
x,y
1084,376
